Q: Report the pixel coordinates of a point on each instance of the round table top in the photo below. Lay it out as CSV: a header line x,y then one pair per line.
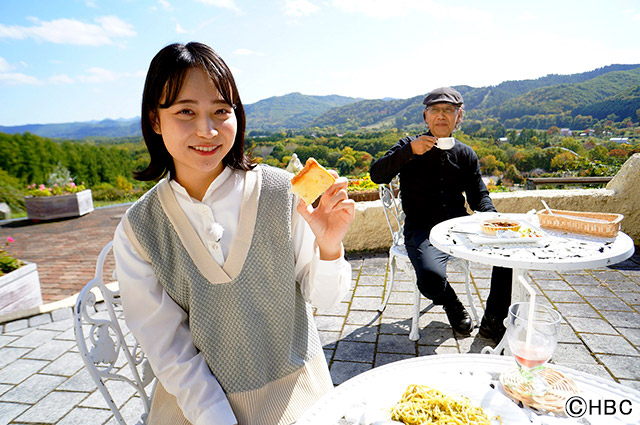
x,y
369,396
553,250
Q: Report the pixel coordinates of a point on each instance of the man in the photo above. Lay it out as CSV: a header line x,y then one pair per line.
x,y
432,182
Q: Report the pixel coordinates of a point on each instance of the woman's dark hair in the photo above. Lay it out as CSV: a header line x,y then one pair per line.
x,y
161,88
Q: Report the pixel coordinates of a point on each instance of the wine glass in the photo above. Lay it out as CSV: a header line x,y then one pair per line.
x,y
532,337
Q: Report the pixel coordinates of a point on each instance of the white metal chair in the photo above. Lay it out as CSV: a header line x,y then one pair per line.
x,y
110,355
398,257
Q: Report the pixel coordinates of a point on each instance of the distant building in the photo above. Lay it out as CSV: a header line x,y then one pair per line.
x,y
503,139
565,132
588,132
619,139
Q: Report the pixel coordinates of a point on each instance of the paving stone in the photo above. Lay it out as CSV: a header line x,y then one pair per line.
x,y
400,344
544,274
4,388
83,416
552,285
566,334
340,309
51,350
355,351
593,369
608,304
580,279
363,318
19,370
66,365
11,354
563,296
428,350
40,319
360,333
52,408
372,280
631,298
35,339
6,339
592,325
120,392
80,382
328,339
33,389
343,371
621,318
611,344
9,411
437,335
622,367
62,314
594,291
608,275
16,325
576,310
329,323
369,291
365,303
574,353
395,326
401,298
386,358
59,325
632,334
623,286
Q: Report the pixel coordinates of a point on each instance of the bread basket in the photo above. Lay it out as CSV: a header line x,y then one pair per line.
x,y
587,223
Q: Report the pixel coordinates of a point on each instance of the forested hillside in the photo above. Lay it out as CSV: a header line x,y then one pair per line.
x,y
576,101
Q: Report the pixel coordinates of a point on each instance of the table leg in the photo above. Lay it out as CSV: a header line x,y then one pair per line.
x,y
518,294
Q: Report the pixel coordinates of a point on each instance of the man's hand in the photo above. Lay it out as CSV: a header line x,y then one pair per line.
x,y
331,219
422,144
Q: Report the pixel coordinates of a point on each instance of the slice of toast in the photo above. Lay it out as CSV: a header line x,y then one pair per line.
x,y
311,181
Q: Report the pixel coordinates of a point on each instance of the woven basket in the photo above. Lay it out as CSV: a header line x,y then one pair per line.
x,y
552,401
589,223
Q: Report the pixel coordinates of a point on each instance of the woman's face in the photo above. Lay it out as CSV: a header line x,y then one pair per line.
x,y
198,130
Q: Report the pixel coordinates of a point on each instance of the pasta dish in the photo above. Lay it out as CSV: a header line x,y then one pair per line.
x,y
421,404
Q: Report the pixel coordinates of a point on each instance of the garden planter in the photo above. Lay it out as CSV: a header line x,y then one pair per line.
x,y
20,289
365,195
60,206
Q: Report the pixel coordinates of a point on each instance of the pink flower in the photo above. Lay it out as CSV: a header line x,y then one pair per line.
x,y
42,187
10,239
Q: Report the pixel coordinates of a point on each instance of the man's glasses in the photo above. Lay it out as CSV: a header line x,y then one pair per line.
x,y
449,110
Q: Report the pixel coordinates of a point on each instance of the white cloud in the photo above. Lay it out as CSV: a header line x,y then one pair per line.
x,y
399,8
165,4
60,79
98,75
225,4
636,17
180,30
299,7
247,52
71,31
4,65
15,78
527,17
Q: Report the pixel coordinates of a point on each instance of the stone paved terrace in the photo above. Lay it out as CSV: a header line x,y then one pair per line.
x,y
42,380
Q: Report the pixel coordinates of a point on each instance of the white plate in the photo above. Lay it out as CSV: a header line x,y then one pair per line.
x,y
372,401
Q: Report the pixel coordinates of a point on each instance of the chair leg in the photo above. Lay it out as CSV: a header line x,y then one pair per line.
x,y
392,272
414,334
467,282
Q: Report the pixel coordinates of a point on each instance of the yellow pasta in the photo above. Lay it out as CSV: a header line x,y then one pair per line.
x,y
424,405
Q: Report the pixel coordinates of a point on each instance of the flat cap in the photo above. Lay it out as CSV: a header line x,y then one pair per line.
x,y
443,94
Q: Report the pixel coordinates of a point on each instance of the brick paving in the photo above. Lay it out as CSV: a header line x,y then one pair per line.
x,y
42,379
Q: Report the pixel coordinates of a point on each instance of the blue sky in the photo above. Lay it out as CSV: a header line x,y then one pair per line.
x,y
80,60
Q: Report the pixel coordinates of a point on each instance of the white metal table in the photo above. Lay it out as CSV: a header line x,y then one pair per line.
x,y
372,394
462,237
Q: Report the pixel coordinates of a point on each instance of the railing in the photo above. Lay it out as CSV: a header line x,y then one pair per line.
x,y
534,182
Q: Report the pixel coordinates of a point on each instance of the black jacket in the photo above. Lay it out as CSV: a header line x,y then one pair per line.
x,y
431,185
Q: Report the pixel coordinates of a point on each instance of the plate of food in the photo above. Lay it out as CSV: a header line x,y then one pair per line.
x,y
416,397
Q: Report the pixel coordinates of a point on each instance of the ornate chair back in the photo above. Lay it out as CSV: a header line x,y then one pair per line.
x,y
109,351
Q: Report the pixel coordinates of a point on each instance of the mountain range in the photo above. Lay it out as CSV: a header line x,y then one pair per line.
x,y
612,91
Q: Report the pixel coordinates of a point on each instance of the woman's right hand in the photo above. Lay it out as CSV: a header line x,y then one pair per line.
x,y
422,144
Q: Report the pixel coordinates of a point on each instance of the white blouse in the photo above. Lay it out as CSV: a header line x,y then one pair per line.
x,y
161,326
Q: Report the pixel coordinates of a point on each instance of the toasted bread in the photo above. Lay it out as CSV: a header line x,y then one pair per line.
x,y
311,181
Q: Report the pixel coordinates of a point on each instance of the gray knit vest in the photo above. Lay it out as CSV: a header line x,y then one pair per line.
x,y
256,328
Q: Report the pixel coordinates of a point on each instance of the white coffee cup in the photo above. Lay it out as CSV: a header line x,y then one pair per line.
x,y
445,143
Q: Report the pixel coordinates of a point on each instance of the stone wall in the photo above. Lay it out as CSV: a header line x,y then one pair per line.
x,y
370,231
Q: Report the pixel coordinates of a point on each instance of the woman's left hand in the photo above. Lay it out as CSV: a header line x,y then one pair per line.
x,y
330,220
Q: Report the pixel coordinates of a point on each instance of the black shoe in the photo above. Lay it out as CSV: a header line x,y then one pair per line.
x,y
492,328
458,316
